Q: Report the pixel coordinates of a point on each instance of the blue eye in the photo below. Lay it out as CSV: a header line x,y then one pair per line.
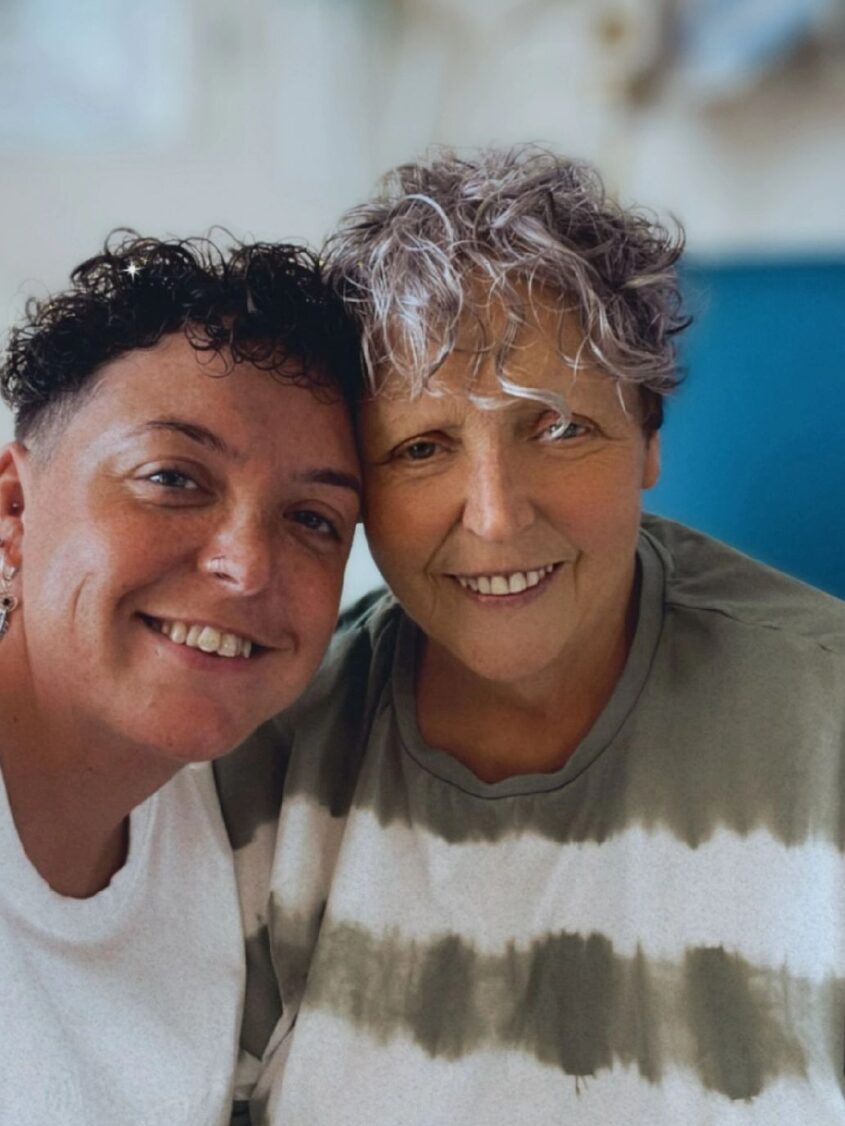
x,y
172,479
315,522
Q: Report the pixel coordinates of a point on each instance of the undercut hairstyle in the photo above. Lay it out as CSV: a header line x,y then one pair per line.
x,y
264,304
448,237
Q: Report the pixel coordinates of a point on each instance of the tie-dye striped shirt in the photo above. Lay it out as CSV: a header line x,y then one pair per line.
x,y
655,933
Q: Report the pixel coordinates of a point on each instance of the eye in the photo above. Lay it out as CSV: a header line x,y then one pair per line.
x,y
315,522
419,450
172,479
562,430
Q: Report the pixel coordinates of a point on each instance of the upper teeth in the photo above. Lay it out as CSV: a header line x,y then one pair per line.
x,y
206,638
513,583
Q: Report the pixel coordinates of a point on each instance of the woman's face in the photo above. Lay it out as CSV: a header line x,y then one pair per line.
x,y
172,500
509,539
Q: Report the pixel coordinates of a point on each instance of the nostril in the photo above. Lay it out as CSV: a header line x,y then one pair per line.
x,y
217,566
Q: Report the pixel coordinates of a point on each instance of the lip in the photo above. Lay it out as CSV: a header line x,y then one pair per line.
x,y
522,598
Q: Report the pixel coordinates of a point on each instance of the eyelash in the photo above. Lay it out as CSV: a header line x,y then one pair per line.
x,y
546,432
404,452
305,515
172,473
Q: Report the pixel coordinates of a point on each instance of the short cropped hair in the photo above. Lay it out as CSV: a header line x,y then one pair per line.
x,y
265,304
411,261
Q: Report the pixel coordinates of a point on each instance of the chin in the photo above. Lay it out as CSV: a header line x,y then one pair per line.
x,y
505,667
185,742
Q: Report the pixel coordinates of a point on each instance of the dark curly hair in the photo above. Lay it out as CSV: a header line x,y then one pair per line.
x,y
262,303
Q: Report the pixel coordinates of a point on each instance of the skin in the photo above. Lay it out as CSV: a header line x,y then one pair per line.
x,y
511,686
167,495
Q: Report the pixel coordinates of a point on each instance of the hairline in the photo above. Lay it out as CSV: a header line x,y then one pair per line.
x,y
428,382
41,434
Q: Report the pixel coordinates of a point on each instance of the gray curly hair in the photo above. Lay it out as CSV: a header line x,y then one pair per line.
x,y
411,262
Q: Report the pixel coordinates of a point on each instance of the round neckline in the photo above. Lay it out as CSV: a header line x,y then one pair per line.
x,y
38,905
604,730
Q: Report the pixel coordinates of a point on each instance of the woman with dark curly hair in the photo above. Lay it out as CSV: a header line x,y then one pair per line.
x,y
561,833
175,517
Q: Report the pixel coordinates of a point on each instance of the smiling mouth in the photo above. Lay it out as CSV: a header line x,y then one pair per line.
x,y
208,639
504,584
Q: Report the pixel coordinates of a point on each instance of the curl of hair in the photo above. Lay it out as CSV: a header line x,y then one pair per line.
x,y
411,263
264,304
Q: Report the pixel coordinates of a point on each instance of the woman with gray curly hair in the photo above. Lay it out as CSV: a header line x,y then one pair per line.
x,y
561,822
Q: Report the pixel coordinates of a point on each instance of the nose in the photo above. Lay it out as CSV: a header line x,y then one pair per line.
x,y
497,504
239,554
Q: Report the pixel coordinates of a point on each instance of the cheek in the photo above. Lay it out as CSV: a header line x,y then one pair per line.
x,y
312,597
116,561
54,571
396,544
405,526
84,569
90,533
601,513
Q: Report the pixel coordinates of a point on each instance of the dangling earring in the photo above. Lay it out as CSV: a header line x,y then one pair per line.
x,y
8,602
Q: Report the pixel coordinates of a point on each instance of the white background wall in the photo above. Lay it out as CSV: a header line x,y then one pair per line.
x,y
274,115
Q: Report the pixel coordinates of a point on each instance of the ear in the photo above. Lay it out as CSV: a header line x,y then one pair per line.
x,y
651,465
14,476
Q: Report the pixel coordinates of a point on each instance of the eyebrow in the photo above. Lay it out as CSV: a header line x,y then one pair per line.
x,y
205,437
331,477
191,430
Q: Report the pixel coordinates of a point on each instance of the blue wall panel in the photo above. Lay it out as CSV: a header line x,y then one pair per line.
x,y
754,442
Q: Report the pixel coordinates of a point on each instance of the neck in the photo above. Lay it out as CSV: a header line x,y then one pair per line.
x,y
501,729
70,789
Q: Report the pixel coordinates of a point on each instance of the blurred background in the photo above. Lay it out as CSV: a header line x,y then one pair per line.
x,y
270,117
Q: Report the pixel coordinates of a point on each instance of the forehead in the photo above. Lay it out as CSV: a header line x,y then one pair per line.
x,y
542,350
246,405
173,370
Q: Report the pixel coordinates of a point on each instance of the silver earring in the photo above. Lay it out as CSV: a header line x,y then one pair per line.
x,y
8,602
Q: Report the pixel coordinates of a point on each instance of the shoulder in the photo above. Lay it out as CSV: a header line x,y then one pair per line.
x,y
357,664
326,720
328,729
707,578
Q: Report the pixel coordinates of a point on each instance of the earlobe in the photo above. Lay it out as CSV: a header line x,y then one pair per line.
x,y
13,475
651,465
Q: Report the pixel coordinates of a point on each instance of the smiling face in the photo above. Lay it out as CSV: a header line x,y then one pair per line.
x,y
181,545
508,537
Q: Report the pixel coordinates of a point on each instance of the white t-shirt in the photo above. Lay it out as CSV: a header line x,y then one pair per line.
x,y
125,1007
